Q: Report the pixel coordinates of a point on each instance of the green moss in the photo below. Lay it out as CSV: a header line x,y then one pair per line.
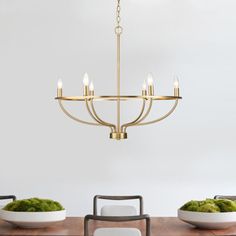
x,y
226,205
34,205
210,205
190,206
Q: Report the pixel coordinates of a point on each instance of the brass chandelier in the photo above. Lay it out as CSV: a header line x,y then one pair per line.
x,y
118,130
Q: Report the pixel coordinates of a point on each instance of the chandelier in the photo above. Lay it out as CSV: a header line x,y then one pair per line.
x,y
147,96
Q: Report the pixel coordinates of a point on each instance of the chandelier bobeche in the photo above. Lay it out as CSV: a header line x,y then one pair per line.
x,y
118,130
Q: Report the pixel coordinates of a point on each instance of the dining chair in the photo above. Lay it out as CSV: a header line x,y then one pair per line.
x,y
6,197
117,210
225,197
114,231
117,213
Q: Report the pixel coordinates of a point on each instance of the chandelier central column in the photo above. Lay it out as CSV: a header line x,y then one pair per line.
x,y
118,32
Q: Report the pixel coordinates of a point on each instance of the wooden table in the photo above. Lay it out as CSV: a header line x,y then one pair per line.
x,y
160,226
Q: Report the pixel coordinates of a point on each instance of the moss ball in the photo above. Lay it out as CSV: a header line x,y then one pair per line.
x,y
210,205
34,205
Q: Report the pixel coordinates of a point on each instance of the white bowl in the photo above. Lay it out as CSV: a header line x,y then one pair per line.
x,y
221,220
33,219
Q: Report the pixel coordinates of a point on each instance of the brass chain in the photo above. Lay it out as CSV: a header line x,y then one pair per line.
x,y
118,13
118,29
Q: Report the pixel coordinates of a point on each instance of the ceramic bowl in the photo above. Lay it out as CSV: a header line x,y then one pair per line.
x,y
33,219
221,220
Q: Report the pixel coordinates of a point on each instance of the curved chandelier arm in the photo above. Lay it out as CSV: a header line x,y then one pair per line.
x,y
161,118
139,116
97,119
75,118
142,118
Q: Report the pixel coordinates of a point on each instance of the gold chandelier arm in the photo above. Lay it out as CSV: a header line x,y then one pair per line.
x,y
75,118
96,118
142,118
161,118
139,116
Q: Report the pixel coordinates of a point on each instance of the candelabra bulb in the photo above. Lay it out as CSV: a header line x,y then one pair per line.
x,y
176,82
150,79
86,79
91,86
59,84
144,87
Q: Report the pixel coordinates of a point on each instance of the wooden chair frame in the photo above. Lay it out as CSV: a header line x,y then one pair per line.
x,y
117,198
8,197
117,219
225,197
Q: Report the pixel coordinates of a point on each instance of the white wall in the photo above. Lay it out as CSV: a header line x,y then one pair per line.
x,y
191,155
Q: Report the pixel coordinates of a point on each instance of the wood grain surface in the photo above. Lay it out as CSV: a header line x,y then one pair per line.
x,y
160,226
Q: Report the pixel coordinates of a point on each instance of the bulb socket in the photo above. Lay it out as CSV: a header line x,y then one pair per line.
x,y
144,92
176,92
59,92
86,90
150,90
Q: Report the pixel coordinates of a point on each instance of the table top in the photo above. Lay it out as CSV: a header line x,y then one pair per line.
x,y
160,226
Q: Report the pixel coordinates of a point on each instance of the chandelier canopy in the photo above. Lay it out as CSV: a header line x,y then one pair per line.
x,y
147,96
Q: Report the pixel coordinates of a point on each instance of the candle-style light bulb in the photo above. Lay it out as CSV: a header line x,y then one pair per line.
x,y
144,86
86,79
86,84
176,86
150,85
150,79
91,88
176,82
59,84
59,88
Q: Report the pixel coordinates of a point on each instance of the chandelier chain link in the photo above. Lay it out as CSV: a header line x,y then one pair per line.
x,y
118,19
118,28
